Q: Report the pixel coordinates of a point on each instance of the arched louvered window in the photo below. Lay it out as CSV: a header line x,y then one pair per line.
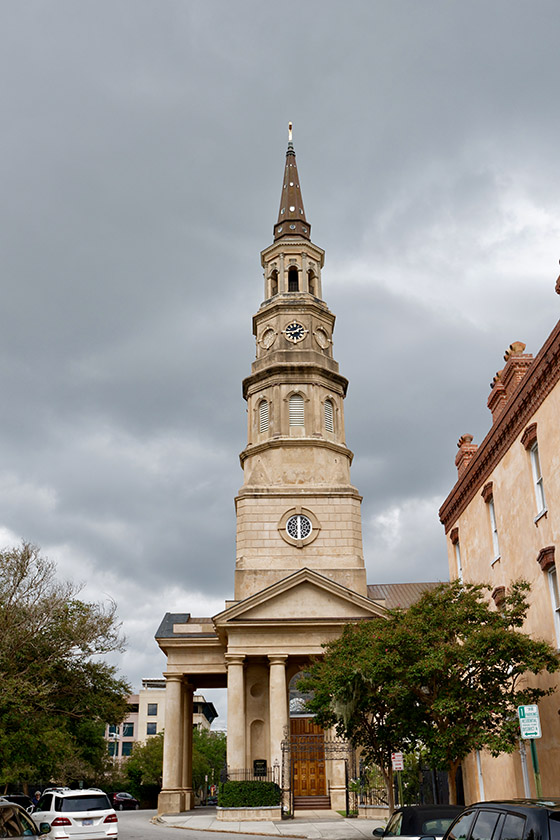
x,y
293,279
296,410
329,416
263,416
311,283
274,283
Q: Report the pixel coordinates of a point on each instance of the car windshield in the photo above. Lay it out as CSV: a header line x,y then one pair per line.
x,y
437,826
93,802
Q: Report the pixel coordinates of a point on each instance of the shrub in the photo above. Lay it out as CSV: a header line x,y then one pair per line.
x,y
249,794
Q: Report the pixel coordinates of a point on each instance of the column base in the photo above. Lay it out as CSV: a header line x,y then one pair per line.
x,y
171,802
338,798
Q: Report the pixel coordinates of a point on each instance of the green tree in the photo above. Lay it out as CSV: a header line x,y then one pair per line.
x,y
447,674
145,765
56,693
209,757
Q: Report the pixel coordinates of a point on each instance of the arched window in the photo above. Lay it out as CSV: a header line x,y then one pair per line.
x,y
296,410
311,283
293,279
263,416
274,283
329,416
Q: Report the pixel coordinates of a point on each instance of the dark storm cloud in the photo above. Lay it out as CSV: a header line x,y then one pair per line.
x,y
142,155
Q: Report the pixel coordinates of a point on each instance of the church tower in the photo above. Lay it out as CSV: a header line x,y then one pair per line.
x,y
299,570
297,507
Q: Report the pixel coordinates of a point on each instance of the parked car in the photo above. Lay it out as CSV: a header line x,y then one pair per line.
x,y
20,799
414,821
123,801
84,814
16,822
516,819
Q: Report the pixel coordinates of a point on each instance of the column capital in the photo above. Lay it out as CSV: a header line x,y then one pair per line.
x,y
277,658
172,677
234,659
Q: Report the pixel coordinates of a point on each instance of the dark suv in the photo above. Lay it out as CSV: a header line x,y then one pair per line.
x,y
518,819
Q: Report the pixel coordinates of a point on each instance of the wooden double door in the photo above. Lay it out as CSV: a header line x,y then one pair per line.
x,y
307,741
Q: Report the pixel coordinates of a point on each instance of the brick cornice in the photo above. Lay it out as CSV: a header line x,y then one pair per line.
x,y
539,381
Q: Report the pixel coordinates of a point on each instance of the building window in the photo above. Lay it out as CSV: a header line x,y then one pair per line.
x,y
113,730
274,283
263,416
113,748
296,410
537,478
293,279
458,561
151,729
555,597
126,748
298,527
329,416
494,527
488,496
152,709
128,730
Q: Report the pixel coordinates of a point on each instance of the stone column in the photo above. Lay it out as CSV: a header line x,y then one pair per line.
x,y
236,725
171,798
188,747
278,706
282,285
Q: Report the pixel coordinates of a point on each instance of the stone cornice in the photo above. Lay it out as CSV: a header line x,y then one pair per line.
x,y
289,372
284,442
539,381
295,302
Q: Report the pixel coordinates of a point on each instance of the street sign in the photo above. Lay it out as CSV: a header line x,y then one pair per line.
x,y
397,760
529,721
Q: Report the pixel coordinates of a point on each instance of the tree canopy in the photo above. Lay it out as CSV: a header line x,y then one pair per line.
x,y
447,674
57,694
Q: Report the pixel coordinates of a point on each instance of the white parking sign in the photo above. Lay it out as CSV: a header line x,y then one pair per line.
x,y
529,721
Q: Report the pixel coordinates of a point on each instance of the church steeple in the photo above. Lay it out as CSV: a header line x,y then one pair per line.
x,y
291,215
297,506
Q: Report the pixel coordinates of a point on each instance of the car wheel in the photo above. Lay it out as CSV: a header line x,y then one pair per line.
x,y
136,807
121,806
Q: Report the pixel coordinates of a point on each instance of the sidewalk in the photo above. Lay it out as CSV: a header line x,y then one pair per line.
x,y
313,824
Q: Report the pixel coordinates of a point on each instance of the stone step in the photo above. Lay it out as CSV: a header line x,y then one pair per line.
x,y
312,803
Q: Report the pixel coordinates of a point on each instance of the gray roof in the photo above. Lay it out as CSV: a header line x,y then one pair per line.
x,y
399,594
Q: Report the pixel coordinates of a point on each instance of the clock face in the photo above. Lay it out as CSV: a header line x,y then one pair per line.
x,y
268,337
322,338
295,332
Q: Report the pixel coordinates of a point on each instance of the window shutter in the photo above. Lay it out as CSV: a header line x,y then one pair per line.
x,y
263,416
296,410
329,416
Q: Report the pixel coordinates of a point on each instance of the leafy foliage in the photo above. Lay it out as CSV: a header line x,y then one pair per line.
x,y
145,765
56,694
447,674
250,794
209,756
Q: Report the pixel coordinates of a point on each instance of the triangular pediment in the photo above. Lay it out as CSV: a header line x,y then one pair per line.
x,y
303,595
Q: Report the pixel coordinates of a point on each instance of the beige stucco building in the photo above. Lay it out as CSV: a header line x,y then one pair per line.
x,y
299,566
502,522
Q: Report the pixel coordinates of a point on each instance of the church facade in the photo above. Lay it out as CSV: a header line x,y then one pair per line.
x,y
299,567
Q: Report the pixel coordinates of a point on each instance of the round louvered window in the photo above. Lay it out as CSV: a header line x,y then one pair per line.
x,y
298,527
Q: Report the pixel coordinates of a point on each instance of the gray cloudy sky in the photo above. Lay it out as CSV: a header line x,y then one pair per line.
x,y
142,156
